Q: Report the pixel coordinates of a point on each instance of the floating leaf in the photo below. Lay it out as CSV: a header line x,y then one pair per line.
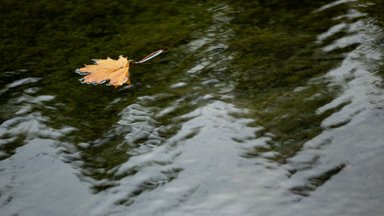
x,y
114,71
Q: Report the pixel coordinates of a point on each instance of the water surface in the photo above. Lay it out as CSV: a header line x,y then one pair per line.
x,y
257,108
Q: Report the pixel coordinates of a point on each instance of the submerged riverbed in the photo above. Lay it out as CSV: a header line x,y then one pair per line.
x,y
257,108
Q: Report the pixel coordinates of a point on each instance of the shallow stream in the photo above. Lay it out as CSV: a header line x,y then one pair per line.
x,y
257,108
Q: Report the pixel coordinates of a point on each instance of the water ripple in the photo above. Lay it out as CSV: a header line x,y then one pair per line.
x,y
193,149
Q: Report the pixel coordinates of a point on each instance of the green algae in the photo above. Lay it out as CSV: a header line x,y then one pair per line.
x,y
273,47
277,54
52,38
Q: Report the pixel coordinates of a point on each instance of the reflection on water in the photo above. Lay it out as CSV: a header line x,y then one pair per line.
x,y
221,129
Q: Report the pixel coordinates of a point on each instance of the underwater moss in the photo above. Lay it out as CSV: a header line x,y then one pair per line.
x,y
275,54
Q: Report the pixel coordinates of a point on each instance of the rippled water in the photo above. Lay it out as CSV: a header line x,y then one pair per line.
x,y
193,138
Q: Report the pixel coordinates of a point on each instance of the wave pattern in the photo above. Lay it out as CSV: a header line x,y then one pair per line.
x,y
204,153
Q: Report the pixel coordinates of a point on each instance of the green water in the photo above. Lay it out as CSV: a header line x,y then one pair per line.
x,y
255,105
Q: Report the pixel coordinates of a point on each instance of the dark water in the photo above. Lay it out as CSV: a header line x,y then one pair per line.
x,y
257,108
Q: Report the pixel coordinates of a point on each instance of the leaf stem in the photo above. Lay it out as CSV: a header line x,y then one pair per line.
x,y
150,56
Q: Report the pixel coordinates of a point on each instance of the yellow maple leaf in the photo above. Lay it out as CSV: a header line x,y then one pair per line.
x,y
114,71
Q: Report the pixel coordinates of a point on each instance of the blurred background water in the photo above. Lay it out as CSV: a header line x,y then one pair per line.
x,y
257,108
